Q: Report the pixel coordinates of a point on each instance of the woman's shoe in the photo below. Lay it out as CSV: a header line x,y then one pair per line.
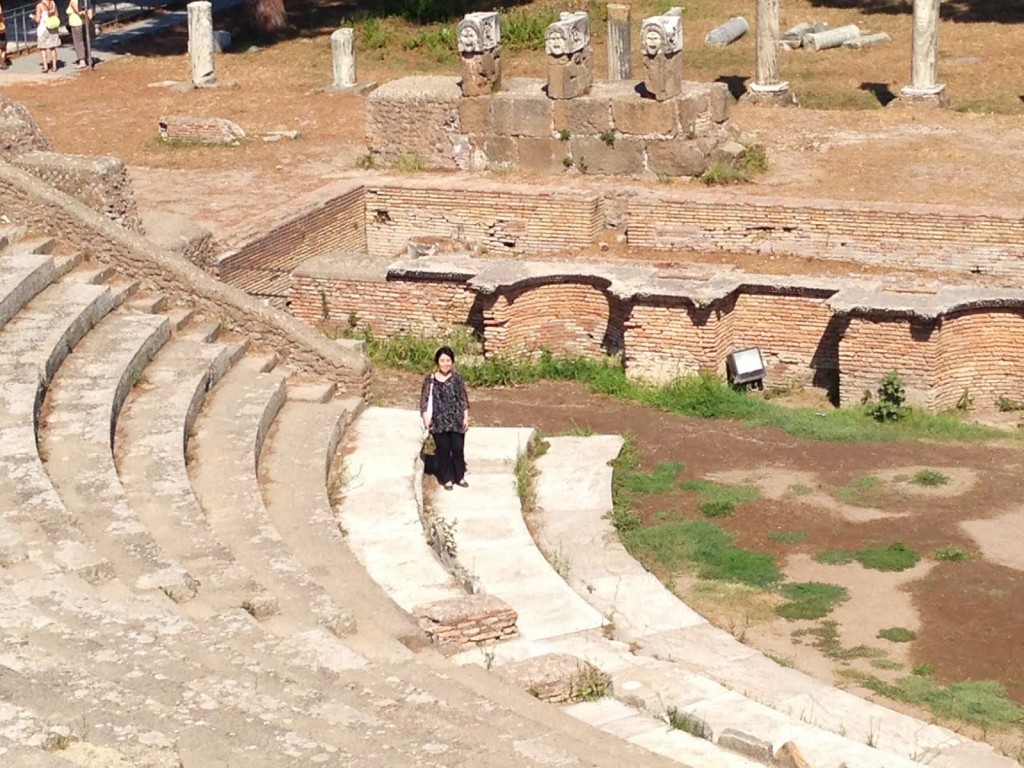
x,y
448,486
462,483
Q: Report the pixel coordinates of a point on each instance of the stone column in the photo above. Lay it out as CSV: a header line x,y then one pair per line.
x,y
567,44
620,61
661,40
924,87
343,57
768,87
200,43
479,42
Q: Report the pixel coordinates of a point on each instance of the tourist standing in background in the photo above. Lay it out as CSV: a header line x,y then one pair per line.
x,y
77,19
4,61
444,409
48,22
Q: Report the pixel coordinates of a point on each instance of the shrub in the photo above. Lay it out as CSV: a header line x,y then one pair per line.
x,y
895,557
523,29
810,600
952,553
892,394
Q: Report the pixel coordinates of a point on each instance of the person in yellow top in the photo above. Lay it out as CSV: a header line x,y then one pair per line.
x,y
77,19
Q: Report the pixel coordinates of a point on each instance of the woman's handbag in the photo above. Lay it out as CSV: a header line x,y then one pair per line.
x,y
52,22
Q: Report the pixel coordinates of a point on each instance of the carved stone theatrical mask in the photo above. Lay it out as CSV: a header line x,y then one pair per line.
x,y
570,34
478,32
661,34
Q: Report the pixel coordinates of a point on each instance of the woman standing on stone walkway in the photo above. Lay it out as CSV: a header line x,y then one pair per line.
x,y
444,408
47,34
77,19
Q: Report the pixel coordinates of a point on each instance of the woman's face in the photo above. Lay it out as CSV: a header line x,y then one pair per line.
x,y
444,364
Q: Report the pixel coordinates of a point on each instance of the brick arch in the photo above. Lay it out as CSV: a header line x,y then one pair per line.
x,y
566,316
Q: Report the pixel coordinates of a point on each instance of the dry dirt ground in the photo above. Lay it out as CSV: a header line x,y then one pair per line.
x,y
966,614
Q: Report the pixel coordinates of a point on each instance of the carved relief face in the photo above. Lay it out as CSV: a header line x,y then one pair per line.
x,y
469,40
555,42
654,40
489,37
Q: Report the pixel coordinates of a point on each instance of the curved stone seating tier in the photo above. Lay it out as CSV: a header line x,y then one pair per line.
x,y
230,432
497,549
22,277
151,436
380,510
294,465
78,443
573,501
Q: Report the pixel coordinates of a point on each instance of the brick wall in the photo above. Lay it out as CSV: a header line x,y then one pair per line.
x,y
28,201
201,130
665,339
507,219
463,622
899,236
871,347
563,318
260,255
981,354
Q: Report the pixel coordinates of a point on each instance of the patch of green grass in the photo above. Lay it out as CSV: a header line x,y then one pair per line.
x,y
810,599
375,33
624,465
799,489
952,553
826,639
930,478
782,661
704,396
661,479
712,491
788,537
923,670
835,557
862,492
885,664
409,164
895,557
436,42
897,634
982,703
704,548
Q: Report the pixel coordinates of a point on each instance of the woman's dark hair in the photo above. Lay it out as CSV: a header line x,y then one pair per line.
x,y
444,351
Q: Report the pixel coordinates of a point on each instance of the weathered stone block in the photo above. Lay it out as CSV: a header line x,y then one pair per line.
x,y
261,606
623,156
719,102
663,75
681,157
481,72
583,115
521,114
745,744
474,114
554,677
469,620
570,76
502,151
643,117
18,131
542,155
691,105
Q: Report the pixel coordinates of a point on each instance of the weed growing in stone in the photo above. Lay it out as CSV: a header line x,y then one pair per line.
x,y
683,721
409,164
590,683
608,137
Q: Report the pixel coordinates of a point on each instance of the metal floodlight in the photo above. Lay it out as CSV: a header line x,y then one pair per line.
x,y
746,366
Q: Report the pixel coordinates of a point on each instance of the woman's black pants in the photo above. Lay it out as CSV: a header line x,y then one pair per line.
x,y
449,458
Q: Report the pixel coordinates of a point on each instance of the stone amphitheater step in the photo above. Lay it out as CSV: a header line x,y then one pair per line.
x,y
495,546
294,465
153,428
573,490
76,435
380,508
230,432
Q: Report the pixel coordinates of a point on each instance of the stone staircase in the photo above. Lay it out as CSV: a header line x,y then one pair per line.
x,y
176,590
740,707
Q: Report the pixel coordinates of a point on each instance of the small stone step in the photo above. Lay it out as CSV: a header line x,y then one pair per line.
x,y
21,278
95,274
11,234
180,317
150,304
42,245
123,290
208,331
311,392
63,265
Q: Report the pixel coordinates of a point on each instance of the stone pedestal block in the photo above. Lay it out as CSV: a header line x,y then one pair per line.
x,y
545,156
620,156
571,75
643,117
663,75
583,115
481,72
935,96
676,158
777,95
521,114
